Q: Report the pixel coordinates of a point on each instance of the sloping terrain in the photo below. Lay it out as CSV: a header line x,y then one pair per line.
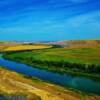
x,y
78,43
12,83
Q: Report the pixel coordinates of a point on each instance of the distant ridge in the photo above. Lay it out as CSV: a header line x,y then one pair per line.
x,y
77,43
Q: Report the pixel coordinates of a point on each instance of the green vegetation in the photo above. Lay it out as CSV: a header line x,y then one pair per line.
x,y
79,60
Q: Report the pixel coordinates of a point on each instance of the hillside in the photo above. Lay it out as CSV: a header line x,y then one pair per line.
x,y
13,84
77,43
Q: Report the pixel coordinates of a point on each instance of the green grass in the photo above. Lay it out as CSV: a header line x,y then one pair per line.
x,y
61,59
78,55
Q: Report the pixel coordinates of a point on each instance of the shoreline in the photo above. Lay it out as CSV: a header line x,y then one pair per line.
x,y
64,88
61,71
43,86
47,88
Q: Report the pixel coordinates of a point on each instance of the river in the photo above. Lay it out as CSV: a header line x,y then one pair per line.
x,y
87,85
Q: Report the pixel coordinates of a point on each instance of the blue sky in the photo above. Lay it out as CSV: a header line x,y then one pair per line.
x,y
49,20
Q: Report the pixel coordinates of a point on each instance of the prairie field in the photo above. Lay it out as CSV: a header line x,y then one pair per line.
x,y
26,47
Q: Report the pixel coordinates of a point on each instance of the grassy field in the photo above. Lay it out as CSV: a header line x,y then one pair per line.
x,y
6,44
85,60
14,84
25,47
20,46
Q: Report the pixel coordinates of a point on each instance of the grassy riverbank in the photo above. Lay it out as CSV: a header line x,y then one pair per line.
x,y
14,84
83,61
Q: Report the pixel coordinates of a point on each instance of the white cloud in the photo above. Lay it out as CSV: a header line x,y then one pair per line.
x,y
88,23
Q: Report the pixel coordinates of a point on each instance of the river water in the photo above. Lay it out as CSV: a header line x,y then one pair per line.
x,y
80,83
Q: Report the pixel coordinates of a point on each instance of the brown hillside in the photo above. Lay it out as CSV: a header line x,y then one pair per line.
x,y
78,43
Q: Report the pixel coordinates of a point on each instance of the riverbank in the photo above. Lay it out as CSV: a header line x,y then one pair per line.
x,y
66,80
12,83
78,61
94,76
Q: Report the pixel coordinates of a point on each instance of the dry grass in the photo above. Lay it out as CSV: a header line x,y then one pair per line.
x,y
26,47
13,83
